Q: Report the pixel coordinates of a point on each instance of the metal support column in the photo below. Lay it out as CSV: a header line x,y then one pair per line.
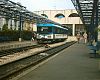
x,y
73,30
10,24
96,24
20,27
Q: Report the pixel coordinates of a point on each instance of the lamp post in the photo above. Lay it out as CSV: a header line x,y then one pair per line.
x,y
20,26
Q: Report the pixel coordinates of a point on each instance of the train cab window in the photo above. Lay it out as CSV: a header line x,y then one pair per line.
x,y
44,30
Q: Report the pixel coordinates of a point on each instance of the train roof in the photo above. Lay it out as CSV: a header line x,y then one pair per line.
x,y
52,25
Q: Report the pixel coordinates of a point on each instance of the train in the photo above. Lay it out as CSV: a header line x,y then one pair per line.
x,y
48,33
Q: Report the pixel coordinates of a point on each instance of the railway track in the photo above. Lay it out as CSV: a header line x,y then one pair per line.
x,y
16,67
16,50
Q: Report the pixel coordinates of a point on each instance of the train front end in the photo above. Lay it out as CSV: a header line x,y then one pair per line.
x,y
44,33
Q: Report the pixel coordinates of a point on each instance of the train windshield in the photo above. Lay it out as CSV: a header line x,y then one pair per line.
x,y
44,30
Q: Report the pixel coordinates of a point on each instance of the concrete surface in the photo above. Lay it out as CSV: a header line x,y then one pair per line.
x,y
73,63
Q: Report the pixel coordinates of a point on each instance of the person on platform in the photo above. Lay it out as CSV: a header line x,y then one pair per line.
x,y
78,36
32,39
85,37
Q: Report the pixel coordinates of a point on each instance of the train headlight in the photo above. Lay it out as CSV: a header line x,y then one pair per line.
x,y
41,36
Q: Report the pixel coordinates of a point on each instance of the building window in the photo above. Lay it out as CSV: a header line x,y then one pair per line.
x,y
44,15
73,15
59,16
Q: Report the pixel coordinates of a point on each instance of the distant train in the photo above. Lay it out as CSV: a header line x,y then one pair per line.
x,y
51,33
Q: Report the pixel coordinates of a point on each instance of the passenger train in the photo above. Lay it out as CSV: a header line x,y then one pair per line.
x,y
47,33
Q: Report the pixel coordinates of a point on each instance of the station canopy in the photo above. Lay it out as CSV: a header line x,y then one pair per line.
x,y
15,11
89,11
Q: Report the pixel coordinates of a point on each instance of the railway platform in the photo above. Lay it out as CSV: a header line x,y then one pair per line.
x,y
20,55
16,44
73,63
19,44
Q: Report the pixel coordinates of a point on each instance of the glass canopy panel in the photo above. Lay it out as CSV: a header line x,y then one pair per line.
x,y
13,10
87,10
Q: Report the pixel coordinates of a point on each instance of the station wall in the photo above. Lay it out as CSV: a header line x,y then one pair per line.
x,y
67,17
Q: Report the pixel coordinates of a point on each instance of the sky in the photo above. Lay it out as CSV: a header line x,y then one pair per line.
x,y
37,5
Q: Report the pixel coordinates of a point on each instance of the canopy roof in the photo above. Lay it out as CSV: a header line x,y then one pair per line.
x,y
89,11
12,10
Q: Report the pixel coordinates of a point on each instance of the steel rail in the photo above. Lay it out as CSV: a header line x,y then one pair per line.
x,y
12,69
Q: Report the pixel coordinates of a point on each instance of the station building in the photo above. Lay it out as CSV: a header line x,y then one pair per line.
x,y
68,18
